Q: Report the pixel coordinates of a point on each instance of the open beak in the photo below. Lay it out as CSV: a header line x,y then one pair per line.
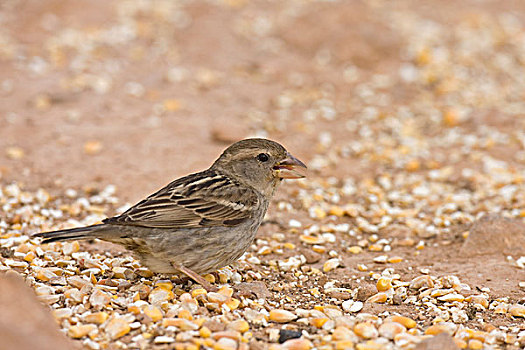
x,y
290,168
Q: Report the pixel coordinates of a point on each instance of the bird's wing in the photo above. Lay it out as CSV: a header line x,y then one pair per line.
x,y
202,199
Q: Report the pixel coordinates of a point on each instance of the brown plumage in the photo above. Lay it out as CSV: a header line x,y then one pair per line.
x,y
203,221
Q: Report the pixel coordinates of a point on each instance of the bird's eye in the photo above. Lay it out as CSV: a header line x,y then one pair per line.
x,y
262,157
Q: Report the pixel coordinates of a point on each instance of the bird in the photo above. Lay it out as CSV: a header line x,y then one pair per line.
x,y
203,221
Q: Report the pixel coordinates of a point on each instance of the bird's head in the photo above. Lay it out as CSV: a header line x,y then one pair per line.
x,y
260,163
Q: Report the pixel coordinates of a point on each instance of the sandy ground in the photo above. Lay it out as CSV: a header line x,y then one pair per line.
x,y
135,94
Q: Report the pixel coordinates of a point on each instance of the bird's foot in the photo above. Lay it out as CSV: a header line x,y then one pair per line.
x,y
197,278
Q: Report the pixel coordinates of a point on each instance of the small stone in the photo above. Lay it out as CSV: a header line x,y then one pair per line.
x,y
311,256
286,334
117,328
281,316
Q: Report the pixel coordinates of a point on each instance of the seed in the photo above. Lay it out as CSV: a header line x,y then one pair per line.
x,y
337,211
30,256
239,326
92,147
517,310
225,344
117,328
281,316
319,249
395,259
380,297
344,344
384,284
153,312
391,329
217,298
331,264
44,274
362,267
205,332
97,317
375,248
297,344
233,303
475,344
312,239
478,300
355,249
452,297
99,299
352,306
419,282
79,331
501,308
440,328
405,321
370,345
199,291
366,330
181,323
163,339
318,322
62,313
227,291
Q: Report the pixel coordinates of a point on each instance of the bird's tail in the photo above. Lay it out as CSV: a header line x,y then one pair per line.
x,y
70,234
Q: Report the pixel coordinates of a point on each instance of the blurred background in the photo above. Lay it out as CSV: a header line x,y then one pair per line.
x,y
136,93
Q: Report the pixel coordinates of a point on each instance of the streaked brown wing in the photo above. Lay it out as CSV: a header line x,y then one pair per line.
x,y
202,199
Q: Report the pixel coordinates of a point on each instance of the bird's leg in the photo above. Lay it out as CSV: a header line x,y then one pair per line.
x,y
196,277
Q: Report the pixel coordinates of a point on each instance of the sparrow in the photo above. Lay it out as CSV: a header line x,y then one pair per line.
x,y
203,221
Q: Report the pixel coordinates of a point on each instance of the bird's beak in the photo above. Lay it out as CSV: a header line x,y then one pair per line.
x,y
290,168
